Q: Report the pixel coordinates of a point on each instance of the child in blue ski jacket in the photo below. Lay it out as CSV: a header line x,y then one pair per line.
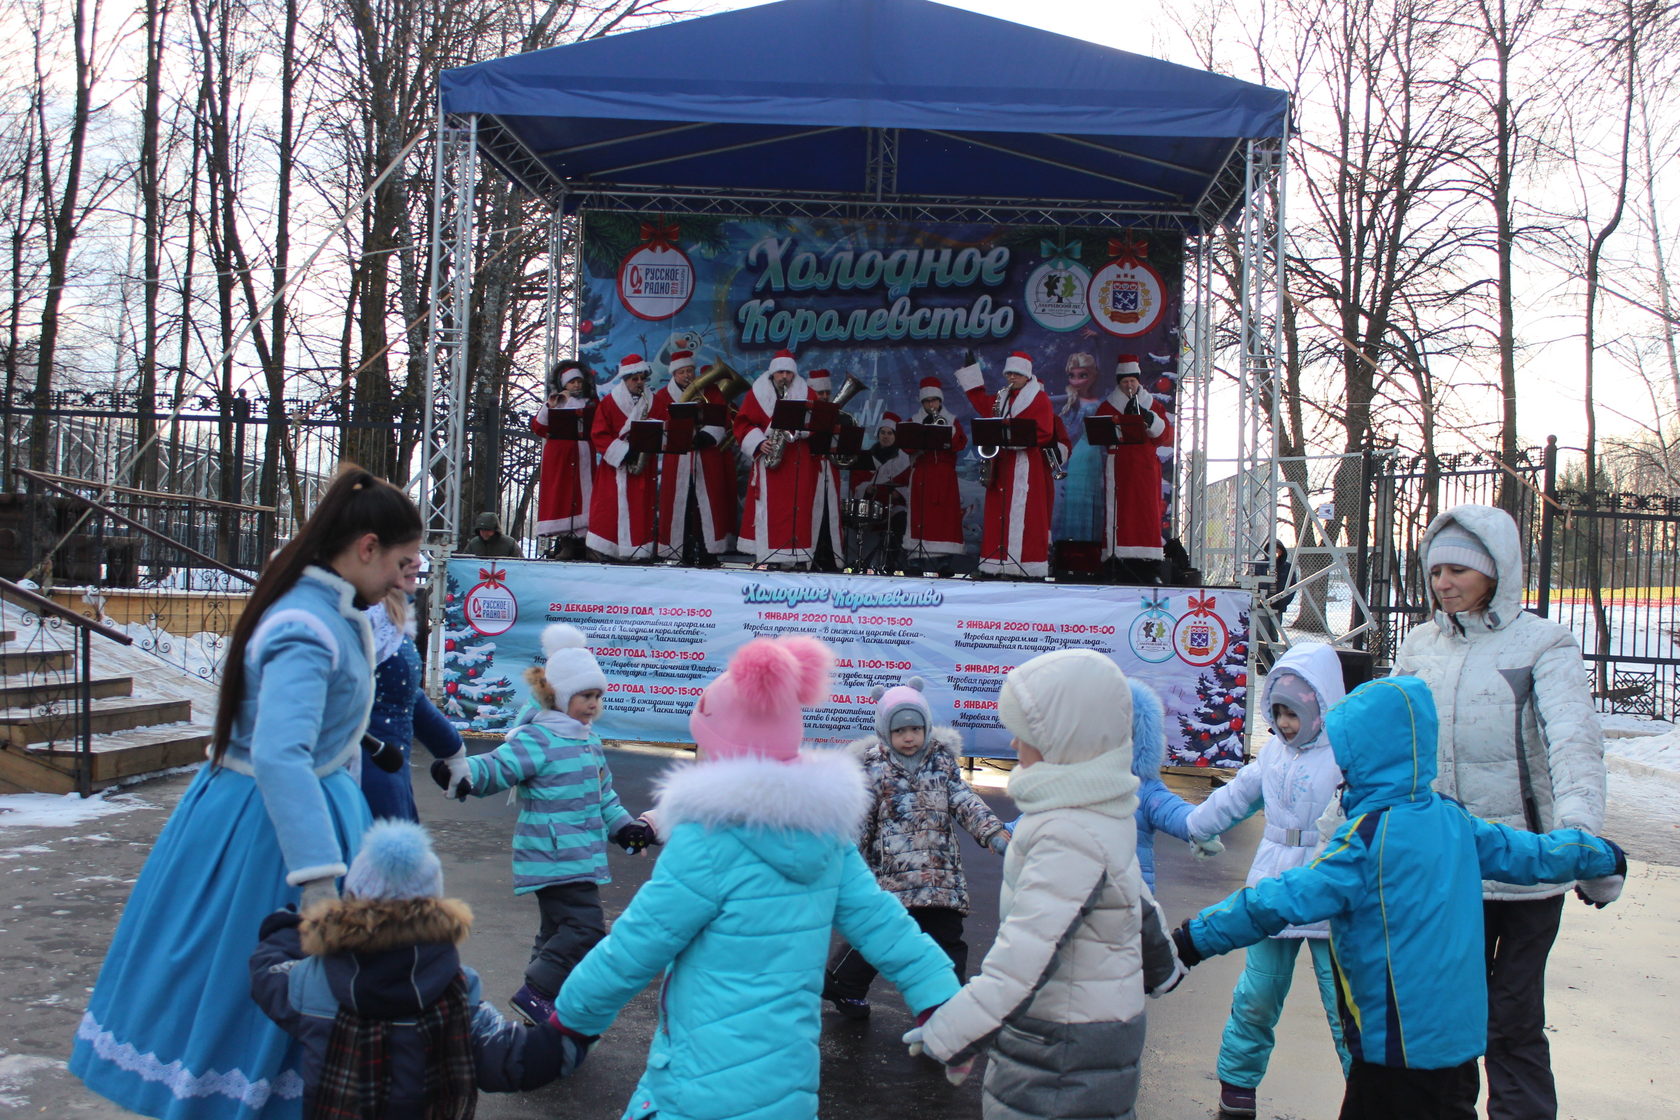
x,y
567,811
372,986
760,862
1401,885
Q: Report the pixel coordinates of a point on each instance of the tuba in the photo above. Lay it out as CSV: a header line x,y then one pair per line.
x,y
720,374
988,455
850,389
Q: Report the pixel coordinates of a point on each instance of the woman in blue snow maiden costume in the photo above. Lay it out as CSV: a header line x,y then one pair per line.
x,y
272,819
402,712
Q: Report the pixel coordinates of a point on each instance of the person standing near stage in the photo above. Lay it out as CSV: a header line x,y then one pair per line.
x,y
622,506
791,497
826,558
696,488
1132,483
568,465
1079,495
935,504
1016,539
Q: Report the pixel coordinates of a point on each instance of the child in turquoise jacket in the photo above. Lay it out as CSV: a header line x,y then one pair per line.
x,y
759,864
1401,884
567,811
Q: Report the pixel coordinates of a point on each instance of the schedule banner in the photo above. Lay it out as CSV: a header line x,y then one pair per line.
x,y
662,633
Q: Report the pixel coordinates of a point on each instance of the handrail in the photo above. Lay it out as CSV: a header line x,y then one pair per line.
x,y
122,519
165,495
40,604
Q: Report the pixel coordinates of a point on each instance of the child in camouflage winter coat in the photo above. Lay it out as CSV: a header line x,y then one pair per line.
x,y
909,839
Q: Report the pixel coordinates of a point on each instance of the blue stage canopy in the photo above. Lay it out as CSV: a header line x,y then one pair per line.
x,y
892,101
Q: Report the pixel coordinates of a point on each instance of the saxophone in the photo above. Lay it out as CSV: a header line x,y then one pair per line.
x,y
775,442
642,460
988,455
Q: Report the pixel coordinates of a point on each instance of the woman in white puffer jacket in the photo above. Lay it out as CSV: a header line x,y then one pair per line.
x,y
1520,745
1293,779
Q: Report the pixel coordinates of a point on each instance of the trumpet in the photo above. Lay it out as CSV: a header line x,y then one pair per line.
x,y
1056,461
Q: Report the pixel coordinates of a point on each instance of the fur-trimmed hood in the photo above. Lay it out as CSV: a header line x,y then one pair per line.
x,y
822,795
387,958
1149,731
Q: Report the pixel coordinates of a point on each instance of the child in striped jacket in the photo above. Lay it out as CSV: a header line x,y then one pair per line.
x,y
567,811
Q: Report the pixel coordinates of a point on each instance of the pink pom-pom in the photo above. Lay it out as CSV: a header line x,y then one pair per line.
x,y
765,674
815,660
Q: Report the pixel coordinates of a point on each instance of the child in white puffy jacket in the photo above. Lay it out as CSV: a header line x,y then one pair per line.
x,y
1293,780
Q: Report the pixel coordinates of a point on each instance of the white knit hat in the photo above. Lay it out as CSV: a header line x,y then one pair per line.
x,y
1071,705
1454,544
571,667
395,861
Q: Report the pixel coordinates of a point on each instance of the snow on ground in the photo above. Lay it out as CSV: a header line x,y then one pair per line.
x,y
49,810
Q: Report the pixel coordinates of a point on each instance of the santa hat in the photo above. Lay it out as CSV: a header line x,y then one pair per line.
x,y
680,359
753,709
1126,365
395,861
901,706
784,360
1018,362
571,667
633,364
930,387
819,381
888,420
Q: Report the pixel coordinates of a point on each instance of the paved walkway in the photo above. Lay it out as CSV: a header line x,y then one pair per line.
x,y
1613,987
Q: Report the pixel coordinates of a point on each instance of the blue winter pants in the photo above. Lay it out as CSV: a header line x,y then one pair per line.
x,y
1257,1003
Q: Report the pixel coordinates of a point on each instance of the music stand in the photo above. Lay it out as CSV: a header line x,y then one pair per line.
x,y
702,414
924,437
837,442
1133,430
1011,432
567,423
1101,431
790,415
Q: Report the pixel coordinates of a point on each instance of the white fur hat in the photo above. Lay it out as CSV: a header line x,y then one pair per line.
x,y
1071,704
571,667
395,861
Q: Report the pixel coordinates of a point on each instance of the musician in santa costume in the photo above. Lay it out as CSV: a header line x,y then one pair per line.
x,y
622,505
1132,483
826,559
1016,538
696,488
789,505
935,521
568,465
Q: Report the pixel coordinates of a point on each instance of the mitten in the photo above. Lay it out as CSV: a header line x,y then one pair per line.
x,y
1179,972
970,358
1188,954
1604,890
312,891
453,775
387,756
1206,849
287,918
957,1072
999,842
635,837
576,1045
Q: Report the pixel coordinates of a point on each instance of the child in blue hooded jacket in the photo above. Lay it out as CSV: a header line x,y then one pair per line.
x,y
760,862
1401,884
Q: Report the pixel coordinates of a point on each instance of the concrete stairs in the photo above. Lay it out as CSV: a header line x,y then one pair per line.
x,y
40,724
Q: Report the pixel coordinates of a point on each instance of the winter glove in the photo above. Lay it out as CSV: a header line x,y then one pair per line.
x,y
287,918
1179,972
999,842
1206,849
324,889
970,358
453,775
576,1045
1604,890
956,1073
635,837
1010,825
1188,955
387,756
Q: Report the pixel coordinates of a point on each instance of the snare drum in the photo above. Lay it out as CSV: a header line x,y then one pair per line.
x,y
864,511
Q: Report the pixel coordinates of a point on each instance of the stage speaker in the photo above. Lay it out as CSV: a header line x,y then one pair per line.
x,y
1358,666
1077,561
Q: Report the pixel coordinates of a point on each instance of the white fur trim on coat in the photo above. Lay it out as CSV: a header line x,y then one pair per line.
x,y
822,793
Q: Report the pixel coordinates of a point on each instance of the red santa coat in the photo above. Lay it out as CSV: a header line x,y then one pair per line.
x,y
1132,485
936,516
621,507
784,508
709,472
1016,537
568,474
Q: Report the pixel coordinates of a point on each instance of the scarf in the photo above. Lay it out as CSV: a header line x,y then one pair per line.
x,y
1105,782
355,1078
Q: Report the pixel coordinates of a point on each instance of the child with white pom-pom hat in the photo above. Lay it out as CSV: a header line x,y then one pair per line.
x,y
567,811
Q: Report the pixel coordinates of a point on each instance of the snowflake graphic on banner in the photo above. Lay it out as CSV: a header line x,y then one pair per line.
x,y
1212,735
475,696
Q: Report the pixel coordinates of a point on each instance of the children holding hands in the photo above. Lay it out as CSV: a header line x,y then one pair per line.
x,y
917,800
567,811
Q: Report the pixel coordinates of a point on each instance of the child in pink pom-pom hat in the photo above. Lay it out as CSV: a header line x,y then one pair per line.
x,y
760,862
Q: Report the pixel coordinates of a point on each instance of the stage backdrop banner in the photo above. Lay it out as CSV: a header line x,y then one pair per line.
x,y
662,633
890,304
